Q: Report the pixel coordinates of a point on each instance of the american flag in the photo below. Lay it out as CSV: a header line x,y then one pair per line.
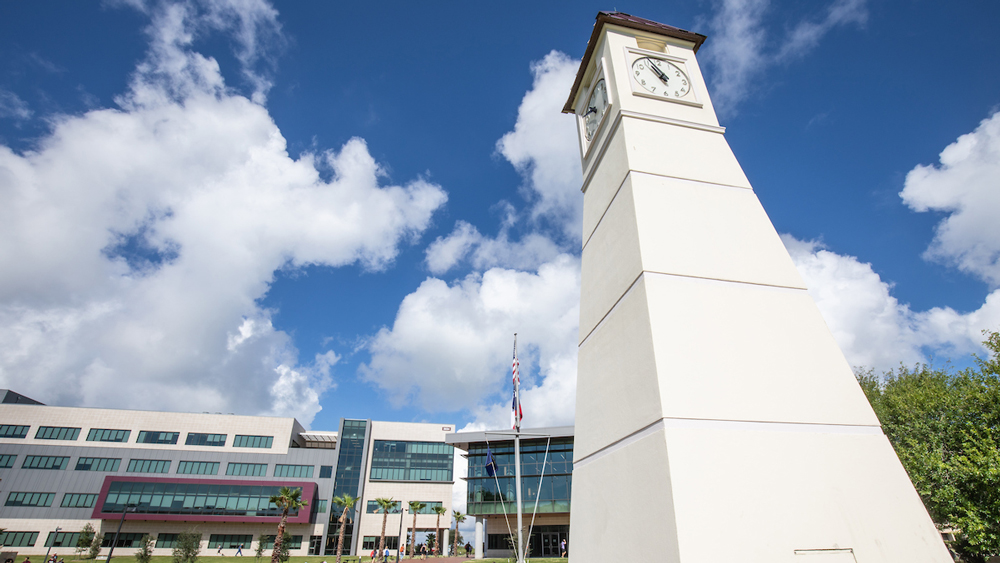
x,y
515,408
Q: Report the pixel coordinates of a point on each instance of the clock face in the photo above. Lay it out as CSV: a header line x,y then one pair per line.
x,y
660,77
596,108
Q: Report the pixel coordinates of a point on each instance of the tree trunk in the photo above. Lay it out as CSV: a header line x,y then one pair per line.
x,y
437,542
275,558
340,540
381,543
454,546
413,537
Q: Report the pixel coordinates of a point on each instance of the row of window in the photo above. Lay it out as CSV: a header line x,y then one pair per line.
x,y
111,464
396,460
428,508
69,500
168,541
196,499
144,436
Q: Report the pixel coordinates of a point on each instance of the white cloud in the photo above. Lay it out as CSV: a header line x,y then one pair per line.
x,y
12,106
739,50
966,187
873,328
543,146
450,345
136,243
466,243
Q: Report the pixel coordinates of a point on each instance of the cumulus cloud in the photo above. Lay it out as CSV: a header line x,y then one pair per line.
x,y
965,187
450,345
466,243
872,327
739,50
137,241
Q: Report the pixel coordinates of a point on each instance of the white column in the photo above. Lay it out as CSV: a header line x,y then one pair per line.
x,y
446,543
479,537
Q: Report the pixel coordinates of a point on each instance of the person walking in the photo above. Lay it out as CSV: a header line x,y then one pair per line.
x,y
239,550
468,548
562,547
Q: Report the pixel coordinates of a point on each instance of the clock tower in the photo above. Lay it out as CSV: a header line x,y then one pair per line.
x,y
716,417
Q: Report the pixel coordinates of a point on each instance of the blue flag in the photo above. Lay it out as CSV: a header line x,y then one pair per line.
x,y
491,464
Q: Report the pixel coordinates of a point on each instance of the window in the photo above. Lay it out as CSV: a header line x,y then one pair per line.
x,y
229,541
252,441
198,467
13,431
153,437
78,500
301,471
373,508
124,540
371,542
168,541
98,463
62,539
412,461
30,499
45,462
296,542
148,466
196,439
7,461
321,506
57,433
182,496
325,471
18,539
247,469
107,435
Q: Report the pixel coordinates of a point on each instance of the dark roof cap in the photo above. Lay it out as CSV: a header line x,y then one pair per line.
x,y
632,22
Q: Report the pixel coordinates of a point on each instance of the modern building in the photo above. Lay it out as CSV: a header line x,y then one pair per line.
x,y
64,467
546,484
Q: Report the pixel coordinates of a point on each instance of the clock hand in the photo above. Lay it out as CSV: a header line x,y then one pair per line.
x,y
659,73
590,110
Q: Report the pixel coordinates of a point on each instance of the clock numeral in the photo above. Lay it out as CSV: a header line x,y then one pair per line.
x,y
643,82
676,94
652,88
684,82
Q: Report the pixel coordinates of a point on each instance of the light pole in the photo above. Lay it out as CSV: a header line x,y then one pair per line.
x,y
129,508
399,539
55,535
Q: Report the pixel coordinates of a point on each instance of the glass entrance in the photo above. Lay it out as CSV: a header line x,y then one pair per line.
x,y
546,541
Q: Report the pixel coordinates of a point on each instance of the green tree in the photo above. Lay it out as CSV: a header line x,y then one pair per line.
x,y
459,518
145,553
385,504
187,546
261,541
287,499
945,428
415,507
431,541
95,546
439,510
86,539
284,552
345,502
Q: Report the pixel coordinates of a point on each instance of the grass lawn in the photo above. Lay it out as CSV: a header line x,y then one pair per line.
x,y
126,556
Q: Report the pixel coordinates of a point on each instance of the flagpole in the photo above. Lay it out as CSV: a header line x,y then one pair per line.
x,y
517,459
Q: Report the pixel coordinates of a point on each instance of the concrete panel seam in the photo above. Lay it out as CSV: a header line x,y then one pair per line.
x,y
722,280
714,424
611,310
672,121
600,153
605,212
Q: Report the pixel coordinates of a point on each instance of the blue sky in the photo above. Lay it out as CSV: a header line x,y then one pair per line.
x,y
319,210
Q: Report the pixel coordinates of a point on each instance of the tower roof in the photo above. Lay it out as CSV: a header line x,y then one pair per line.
x,y
633,22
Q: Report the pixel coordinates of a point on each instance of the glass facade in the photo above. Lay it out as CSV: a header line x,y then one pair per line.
x,y
301,471
371,542
78,500
198,439
45,462
13,431
57,433
198,467
353,439
30,499
62,539
252,441
168,541
124,540
193,499
148,466
107,435
395,460
231,541
97,463
325,471
7,461
492,495
247,469
296,542
373,508
156,437
18,539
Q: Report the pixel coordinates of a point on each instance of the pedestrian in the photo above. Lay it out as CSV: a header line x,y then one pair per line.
x,y
386,554
562,547
239,550
26,560
373,552
468,548
220,549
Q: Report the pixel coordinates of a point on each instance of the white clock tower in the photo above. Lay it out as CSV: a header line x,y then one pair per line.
x,y
716,417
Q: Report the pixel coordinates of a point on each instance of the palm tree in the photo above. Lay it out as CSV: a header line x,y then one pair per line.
x,y
346,502
286,499
415,507
386,504
437,545
459,518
